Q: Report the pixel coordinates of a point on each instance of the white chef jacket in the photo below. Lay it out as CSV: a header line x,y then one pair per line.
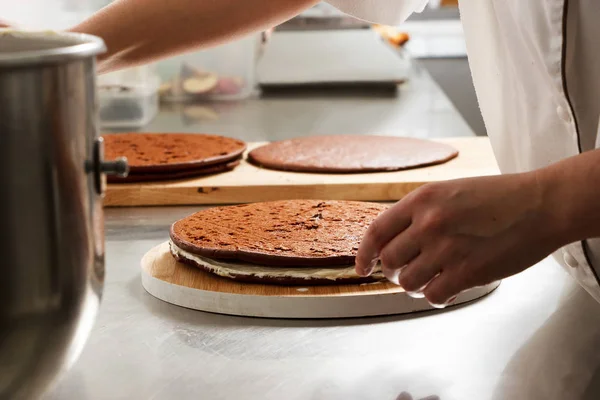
x,y
536,69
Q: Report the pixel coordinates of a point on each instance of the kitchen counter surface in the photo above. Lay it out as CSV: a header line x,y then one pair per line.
x,y
536,337
418,109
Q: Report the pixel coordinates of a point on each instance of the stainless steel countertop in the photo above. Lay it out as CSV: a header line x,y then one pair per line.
x,y
536,337
419,109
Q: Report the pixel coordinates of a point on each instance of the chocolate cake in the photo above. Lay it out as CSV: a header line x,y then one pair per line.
x,y
167,152
351,154
290,242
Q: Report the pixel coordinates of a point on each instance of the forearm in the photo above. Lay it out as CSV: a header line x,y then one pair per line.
x,y
571,191
140,31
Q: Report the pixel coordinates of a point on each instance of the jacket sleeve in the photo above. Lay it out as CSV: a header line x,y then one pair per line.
x,y
384,12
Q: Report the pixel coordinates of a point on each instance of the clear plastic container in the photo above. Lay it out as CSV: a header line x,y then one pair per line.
x,y
225,72
128,98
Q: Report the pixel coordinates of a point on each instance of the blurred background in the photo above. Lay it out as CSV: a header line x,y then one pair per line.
x,y
321,54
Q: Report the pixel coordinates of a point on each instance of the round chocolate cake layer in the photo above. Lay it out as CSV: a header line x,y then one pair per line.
x,y
351,154
295,233
167,176
163,152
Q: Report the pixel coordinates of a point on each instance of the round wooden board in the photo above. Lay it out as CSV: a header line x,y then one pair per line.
x,y
168,280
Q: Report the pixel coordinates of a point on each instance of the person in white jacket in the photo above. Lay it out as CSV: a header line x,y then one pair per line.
x,y
535,66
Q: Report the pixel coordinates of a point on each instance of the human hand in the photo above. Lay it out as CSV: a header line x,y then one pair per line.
x,y
447,237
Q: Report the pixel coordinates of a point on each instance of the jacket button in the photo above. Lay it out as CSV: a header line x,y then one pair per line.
x,y
563,114
570,260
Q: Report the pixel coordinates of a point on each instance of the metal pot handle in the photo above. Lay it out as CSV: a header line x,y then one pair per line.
x,y
98,166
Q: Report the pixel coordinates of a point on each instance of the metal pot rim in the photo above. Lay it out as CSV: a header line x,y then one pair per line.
x,y
70,46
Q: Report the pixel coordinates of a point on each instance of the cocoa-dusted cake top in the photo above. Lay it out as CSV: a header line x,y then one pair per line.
x,y
171,151
298,233
351,154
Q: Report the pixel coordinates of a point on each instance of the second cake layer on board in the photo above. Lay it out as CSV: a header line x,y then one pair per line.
x,y
248,183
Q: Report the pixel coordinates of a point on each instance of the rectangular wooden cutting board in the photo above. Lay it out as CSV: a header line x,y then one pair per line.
x,y
248,183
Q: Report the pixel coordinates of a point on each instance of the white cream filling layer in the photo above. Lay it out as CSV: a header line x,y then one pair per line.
x,y
233,269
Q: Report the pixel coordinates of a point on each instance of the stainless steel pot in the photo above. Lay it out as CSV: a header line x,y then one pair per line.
x,y
51,182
